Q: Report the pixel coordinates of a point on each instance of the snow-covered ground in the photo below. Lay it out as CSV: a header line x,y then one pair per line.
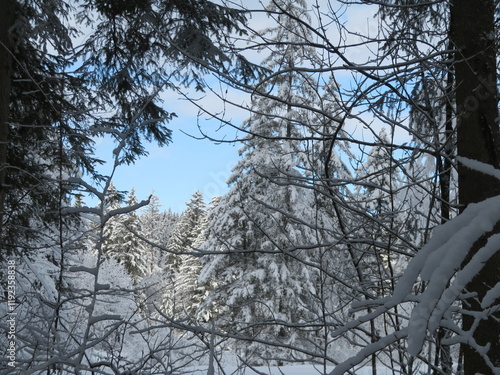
x,y
286,370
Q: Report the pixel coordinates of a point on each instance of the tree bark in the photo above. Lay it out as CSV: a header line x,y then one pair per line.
x,y
7,20
472,32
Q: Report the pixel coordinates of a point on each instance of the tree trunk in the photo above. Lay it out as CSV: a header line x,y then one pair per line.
x,y
472,31
7,20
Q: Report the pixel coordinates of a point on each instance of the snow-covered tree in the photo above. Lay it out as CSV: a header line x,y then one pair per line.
x,y
184,264
189,226
157,227
61,87
121,241
191,292
263,285
377,194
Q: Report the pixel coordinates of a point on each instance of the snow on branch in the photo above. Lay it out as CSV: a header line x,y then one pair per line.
x,y
81,210
100,318
127,209
448,247
441,264
90,188
368,350
437,298
440,260
479,166
92,271
491,296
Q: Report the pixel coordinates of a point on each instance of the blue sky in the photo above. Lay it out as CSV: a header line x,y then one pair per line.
x,y
175,172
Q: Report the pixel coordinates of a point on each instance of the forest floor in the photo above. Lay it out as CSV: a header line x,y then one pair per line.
x,y
290,370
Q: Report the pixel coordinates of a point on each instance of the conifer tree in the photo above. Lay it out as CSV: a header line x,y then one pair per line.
x,y
377,194
157,227
185,268
263,281
189,226
122,243
191,292
56,98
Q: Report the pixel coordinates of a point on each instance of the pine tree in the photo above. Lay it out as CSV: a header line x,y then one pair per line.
x,y
189,226
121,241
157,227
185,268
191,292
263,281
376,195
56,98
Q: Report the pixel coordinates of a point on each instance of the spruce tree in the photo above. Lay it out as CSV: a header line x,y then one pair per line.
x,y
185,268
262,282
57,97
157,227
122,243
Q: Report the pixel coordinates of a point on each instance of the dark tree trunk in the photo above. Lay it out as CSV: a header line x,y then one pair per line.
x,y
472,32
7,20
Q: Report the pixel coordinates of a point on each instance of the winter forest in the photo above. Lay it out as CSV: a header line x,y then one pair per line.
x,y
360,231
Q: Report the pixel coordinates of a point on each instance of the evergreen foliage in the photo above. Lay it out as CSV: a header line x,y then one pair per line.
x,y
335,235
60,92
262,282
121,242
184,263
61,88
